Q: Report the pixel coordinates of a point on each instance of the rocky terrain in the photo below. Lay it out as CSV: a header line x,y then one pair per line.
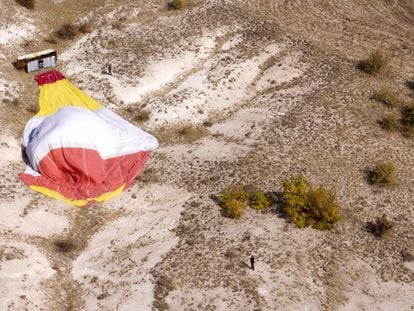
x,y
248,92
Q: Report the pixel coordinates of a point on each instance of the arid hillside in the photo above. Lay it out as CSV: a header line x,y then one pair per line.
x,y
237,92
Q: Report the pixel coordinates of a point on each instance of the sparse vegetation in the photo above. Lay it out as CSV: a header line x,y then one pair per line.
x,y
85,28
383,174
28,4
64,246
380,226
309,206
181,133
51,38
375,62
386,97
118,25
67,31
149,176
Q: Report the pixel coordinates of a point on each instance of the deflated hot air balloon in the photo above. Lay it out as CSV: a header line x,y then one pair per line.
x,y
76,149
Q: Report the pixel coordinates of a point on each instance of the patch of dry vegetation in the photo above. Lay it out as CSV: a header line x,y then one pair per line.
x,y
380,226
67,31
85,28
386,97
375,62
181,133
383,174
149,176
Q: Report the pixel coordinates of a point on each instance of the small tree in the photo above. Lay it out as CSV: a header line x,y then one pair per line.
x,y
309,206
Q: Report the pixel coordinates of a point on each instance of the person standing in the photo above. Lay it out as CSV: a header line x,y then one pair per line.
x,y
110,69
252,263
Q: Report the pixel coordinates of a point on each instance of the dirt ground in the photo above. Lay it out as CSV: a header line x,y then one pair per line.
x,y
248,92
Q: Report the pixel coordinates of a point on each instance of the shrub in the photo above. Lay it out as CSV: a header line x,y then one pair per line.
x,y
388,123
309,206
236,192
142,115
67,31
177,4
386,97
383,174
233,200
28,4
234,209
374,63
408,116
380,226
64,246
259,200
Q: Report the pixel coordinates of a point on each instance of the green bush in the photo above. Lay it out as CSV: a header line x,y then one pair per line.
x,y
386,97
259,200
383,174
28,4
380,226
309,206
375,62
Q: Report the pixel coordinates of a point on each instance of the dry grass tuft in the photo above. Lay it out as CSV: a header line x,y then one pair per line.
x,y
379,227
67,31
389,123
375,62
387,97
383,174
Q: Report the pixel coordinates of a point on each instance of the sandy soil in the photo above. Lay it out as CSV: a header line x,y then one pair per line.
x,y
274,86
